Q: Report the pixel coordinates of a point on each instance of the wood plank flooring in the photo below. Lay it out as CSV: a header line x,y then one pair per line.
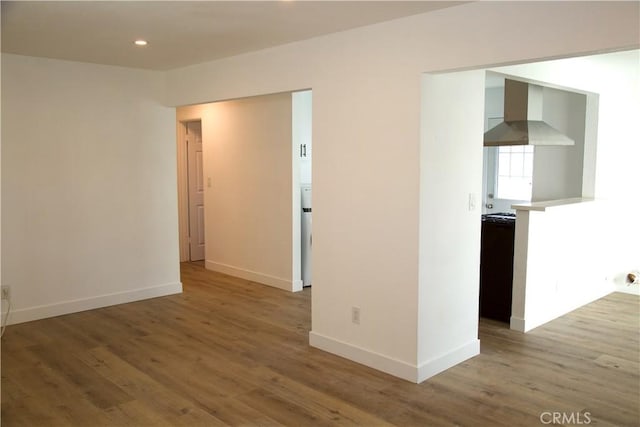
x,y
229,352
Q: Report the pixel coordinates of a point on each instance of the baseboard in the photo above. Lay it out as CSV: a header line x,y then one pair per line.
x,y
67,307
517,324
526,325
297,285
383,363
397,368
434,367
254,276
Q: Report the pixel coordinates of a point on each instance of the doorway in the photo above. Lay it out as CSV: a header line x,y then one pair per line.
x,y
191,184
193,137
301,104
251,189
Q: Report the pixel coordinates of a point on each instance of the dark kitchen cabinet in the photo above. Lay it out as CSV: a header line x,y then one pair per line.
x,y
496,266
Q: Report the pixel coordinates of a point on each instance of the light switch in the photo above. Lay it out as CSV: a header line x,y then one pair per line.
x,y
472,201
209,181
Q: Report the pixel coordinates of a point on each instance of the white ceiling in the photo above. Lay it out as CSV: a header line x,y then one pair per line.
x,y
181,33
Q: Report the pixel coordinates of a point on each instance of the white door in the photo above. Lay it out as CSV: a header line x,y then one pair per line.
x,y
196,191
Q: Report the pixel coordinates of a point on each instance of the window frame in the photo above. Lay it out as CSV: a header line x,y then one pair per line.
x,y
493,167
525,152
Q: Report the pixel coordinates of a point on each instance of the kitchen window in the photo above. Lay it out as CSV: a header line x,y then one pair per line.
x,y
514,172
509,173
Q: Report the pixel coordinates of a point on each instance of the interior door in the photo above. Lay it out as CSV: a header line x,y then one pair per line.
x,y
196,191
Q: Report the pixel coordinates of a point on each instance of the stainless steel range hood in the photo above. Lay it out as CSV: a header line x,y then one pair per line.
x,y
523,123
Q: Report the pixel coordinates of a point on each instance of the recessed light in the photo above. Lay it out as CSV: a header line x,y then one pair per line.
x,y
140,42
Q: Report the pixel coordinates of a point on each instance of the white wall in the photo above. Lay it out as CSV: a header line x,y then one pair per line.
x,y
493,104
614,77
493,110
609,229
564,266
302,104
557,170
450,174
366,121
88,187
247,152
367,109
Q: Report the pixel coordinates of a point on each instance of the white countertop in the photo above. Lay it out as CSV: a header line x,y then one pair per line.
x,y
542,206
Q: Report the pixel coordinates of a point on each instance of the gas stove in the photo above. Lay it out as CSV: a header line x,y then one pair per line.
x,y
502,217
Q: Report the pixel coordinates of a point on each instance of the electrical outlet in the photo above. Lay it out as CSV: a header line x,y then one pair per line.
x,y
6,292
355,315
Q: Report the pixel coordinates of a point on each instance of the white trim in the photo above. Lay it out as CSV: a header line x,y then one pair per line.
x,y
526,325
254,276
368,358
82,304
183,191
517,324
433,367
296,211
395,367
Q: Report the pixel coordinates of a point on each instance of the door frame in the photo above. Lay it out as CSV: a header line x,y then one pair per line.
x,y
183,186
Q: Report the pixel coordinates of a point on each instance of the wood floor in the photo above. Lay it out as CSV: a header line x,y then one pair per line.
x,y
227,352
